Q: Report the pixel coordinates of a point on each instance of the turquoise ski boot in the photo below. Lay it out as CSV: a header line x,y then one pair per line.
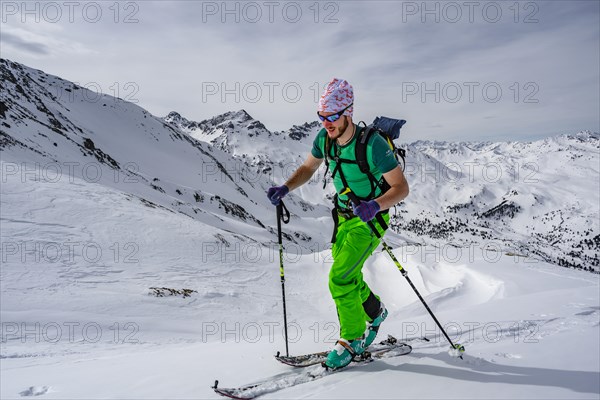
x,y
373,327
344,351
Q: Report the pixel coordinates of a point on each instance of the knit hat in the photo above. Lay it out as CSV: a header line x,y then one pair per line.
x,y
337,95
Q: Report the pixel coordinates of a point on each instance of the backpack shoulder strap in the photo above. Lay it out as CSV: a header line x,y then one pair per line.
x,y
327,149
362,158
361,147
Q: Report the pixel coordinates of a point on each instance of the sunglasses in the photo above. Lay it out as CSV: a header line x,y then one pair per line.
x,y
333,117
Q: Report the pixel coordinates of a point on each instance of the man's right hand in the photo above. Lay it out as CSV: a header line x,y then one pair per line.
x,y
276,193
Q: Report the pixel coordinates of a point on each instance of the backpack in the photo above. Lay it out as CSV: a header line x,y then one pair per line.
x,y
389,129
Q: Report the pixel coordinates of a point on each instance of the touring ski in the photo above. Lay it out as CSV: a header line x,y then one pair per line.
x,y
312,371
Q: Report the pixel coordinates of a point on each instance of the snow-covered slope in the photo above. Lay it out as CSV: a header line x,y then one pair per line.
x,y
101,202
61,129
79,319
537,198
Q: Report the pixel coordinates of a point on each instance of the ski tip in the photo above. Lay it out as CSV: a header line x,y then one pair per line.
x,y
240,393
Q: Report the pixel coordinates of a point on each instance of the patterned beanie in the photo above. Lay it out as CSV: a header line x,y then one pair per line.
x,y
337,95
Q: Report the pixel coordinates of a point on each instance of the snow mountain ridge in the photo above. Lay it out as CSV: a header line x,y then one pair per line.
x,y
461,192
536,198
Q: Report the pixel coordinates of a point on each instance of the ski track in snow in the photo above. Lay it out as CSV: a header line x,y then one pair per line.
x,y
35,391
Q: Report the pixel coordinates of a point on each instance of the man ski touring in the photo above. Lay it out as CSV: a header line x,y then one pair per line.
x,y
359,310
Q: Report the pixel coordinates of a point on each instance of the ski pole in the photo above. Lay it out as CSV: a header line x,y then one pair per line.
x,y
458,347
282,215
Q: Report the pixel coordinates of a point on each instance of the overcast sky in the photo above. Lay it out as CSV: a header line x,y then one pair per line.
x,y
466,70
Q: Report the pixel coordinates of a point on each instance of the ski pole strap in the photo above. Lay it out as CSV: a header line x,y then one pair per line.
x,y
283,213
382,223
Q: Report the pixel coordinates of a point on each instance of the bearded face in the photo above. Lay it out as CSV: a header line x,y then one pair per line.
x,y
337,128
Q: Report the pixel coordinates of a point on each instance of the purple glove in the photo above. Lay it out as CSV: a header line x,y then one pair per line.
x,y
366,210
276,193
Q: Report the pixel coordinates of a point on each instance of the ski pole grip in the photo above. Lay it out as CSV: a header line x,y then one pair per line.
x,y
356,201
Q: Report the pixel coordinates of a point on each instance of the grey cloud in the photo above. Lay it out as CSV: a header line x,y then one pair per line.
x,y
23,44
370,45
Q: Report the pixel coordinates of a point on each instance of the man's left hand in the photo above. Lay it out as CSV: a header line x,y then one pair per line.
x,y
366,211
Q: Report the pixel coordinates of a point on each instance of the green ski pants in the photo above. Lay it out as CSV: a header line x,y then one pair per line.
x,y
355,242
